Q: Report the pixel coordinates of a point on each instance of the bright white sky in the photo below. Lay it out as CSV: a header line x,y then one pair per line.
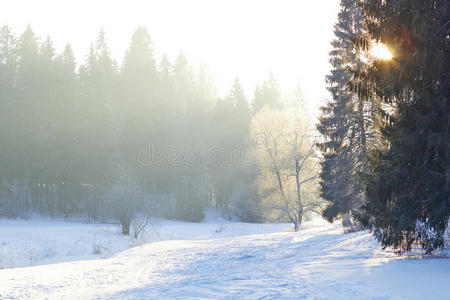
x,y
243,38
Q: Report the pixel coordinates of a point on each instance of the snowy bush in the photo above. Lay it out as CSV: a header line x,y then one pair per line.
x,y
139,226
122,202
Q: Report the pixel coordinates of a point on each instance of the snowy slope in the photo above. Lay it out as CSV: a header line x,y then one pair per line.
x,y
41,240
319,262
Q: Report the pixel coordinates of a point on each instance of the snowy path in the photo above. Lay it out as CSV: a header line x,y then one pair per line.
x,y
318,262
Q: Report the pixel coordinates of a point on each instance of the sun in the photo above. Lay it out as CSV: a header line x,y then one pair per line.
x,y
380,51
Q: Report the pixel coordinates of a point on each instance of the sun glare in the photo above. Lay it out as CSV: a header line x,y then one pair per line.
x,y
380,51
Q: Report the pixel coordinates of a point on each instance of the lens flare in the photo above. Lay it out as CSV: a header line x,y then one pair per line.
x,y
380,51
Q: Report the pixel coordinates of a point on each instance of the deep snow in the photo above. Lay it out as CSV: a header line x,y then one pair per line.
x,y
319,262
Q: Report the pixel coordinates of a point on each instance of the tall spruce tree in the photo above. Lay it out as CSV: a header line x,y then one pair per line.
x,y
66,132
409,188
232,176
343,123
139,102
28,109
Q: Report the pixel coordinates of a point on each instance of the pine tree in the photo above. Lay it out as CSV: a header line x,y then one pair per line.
x,y
8,76
222,138
98,77
140,104
408,188
28,129
9,158
343,123
66,132
232,177
244,200
242,110
192,182
46,115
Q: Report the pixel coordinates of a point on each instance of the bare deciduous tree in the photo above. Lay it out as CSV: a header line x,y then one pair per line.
x,y
286,152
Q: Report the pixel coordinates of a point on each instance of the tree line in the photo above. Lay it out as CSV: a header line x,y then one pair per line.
x,y
385,134
110,140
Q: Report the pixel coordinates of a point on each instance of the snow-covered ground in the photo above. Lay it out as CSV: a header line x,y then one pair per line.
x,y
319,262
41,240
